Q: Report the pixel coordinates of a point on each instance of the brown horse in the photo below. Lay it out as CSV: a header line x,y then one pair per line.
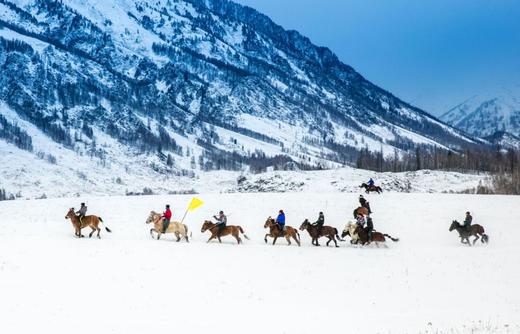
x,y
474,230
180,230
361,210
377,237
274,232
229,229
368,188
90,221
326,231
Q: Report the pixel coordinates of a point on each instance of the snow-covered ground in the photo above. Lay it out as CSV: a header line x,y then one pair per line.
x,y
428,282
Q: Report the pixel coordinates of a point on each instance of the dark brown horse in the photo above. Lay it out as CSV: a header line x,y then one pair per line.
x,y
377,237
474,230
229,229
326,231
368,188
361,210
90,221
275,233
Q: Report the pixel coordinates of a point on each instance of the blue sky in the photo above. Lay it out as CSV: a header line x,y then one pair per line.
x,y
433,54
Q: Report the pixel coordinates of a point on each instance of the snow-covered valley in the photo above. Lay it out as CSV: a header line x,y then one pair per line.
x,y
128,283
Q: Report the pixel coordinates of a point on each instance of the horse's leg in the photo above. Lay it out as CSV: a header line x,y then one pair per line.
x,y
151,232
98,231
239,241
211,238
476,238
159,235
288,238
335,242
328,242
265,238
274,241
296,239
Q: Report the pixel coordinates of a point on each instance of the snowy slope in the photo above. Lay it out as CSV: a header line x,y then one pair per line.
x,y
127,283
171,83
485,115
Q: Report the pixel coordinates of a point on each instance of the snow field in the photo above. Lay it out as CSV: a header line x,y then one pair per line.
x,y
127,283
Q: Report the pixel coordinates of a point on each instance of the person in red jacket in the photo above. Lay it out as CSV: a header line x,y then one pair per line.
x,y
167,215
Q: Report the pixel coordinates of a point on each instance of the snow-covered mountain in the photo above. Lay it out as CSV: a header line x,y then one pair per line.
x,y
130,88
485,115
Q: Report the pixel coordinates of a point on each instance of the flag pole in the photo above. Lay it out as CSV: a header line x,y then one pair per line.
x,y
185,213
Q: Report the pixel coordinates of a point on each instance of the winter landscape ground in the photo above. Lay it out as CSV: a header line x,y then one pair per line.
x,y
428,282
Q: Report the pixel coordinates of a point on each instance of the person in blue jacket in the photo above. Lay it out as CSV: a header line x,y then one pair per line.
x,y
280,220
371,182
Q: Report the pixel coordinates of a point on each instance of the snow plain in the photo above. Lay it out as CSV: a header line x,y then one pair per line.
x,y
51,282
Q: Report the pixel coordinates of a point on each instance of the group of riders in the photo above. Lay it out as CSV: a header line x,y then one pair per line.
x,y
221,218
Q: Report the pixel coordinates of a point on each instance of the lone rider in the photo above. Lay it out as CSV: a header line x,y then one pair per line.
x,y
280,220
82,212
467,221
370,183
167,215
221,222
319,223
364,203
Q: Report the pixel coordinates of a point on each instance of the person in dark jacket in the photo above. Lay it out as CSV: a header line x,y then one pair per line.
x,y
82,212
364,203
319,223
167,216
467,221
280,220
221,222
370,228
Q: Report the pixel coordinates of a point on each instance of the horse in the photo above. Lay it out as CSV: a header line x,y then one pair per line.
x,y
229,229
373,188
180,230
474,230
274,232
326,231
360,234
90,221
350,230
361,210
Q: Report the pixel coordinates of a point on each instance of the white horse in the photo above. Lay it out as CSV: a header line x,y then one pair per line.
x,y
350,229
180,230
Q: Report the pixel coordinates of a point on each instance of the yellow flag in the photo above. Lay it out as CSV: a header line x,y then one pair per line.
x,y
195,203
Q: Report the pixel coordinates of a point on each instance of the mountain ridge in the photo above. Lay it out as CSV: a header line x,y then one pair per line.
x,y
189,86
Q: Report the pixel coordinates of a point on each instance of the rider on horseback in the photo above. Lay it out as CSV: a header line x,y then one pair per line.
x,y
364,203
360,220
371,183
82,212
467,221
280,220
319,223
167,215
370,228
221,222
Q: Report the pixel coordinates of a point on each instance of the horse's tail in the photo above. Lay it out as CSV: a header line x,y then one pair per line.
x,y
186,230
337,234
393,239
242,231
485,238
106,227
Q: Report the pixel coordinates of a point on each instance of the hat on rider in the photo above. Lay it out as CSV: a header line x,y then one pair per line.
x,y
281,211
467,212
360,196
221,212
82,203
167,205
